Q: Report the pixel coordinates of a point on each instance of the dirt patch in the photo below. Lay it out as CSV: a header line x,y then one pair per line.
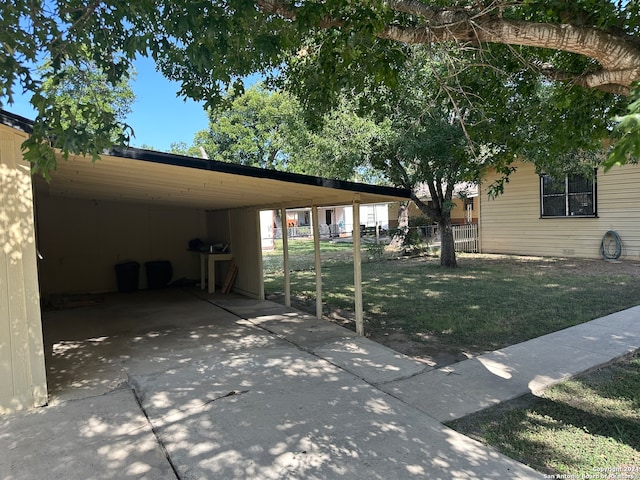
x,y
429,350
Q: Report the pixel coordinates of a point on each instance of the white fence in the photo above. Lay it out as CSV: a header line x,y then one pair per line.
x,y
465,238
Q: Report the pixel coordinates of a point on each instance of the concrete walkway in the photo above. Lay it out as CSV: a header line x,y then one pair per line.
x,y
225,387
466,387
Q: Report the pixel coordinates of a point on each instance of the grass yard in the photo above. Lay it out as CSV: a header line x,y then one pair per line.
x,y
588,427
487,303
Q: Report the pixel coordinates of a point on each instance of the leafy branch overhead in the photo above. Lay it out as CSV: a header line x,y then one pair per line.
x,y
209,46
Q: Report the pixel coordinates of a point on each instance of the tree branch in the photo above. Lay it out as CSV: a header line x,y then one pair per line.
x,y
608,81
619,55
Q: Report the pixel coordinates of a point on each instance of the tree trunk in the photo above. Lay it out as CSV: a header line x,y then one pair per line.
x,y
447,246
403,216
279,225
403,224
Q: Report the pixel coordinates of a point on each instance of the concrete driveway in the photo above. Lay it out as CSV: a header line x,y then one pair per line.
x,y
177,384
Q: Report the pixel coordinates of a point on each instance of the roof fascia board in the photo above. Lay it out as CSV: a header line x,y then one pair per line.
x,y
243,170
25,125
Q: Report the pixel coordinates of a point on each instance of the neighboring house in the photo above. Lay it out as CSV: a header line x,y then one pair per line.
x,y
333,221
565,217
66,236
465,209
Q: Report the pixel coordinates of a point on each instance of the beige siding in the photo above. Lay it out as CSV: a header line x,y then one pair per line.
x,y
22,369
81,241
511,223
245,240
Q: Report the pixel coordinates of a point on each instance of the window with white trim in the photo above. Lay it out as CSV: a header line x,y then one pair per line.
x,y
569,196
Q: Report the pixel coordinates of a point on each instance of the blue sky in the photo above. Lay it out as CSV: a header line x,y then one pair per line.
x,y
159,117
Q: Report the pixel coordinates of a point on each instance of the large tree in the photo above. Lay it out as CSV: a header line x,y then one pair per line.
x,y
265,128
209,45
449,119
253,128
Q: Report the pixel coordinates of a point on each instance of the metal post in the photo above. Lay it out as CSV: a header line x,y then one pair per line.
x,y
285,257
316,249
357,269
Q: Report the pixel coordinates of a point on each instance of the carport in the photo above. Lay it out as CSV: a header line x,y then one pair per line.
x,y
132,205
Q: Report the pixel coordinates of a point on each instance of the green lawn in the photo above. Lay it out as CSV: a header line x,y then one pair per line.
x,y
588,427
485,304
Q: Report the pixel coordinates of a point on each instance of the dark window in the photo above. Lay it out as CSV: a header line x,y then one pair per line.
x,y
570,196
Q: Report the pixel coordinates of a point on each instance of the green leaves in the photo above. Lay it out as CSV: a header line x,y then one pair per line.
x,y
250,128
320,50
626,148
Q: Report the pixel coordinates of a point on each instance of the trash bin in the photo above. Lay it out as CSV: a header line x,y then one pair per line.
x,y
127,275
159,273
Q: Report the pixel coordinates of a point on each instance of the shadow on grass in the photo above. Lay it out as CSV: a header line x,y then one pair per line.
x,y
484,305
586,424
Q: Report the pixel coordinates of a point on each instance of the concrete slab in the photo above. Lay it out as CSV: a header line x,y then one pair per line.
x,y
284,413
303,330
131,314
538,364
528,367
230,399
369,360
246,307
105,437
80,369
596,337
455,391
167,350
84,368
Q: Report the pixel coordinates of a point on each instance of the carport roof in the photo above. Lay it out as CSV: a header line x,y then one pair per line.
x,y
145,176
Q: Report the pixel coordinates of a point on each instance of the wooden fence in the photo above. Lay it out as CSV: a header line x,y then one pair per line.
x,y
465,238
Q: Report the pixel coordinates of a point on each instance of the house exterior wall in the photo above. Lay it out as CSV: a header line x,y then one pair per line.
x,y
512,224
81,241
23,381
241,229
369,216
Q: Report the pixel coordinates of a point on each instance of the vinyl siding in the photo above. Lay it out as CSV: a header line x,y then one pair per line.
x,y
22,369
511,223
240,228
245,238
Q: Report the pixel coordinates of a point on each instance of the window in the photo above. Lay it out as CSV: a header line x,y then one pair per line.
x,y
571,196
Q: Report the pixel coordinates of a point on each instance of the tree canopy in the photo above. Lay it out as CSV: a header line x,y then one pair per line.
x,y
82,101
209,46
266,129
253,128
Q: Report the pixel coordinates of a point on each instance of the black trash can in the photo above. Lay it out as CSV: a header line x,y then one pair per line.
x,y
127,275
159,273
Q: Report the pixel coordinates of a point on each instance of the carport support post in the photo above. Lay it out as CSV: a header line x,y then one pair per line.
x,y
357,268
316,250
285,257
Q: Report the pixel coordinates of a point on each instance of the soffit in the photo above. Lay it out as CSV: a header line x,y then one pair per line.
x,y
154,178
